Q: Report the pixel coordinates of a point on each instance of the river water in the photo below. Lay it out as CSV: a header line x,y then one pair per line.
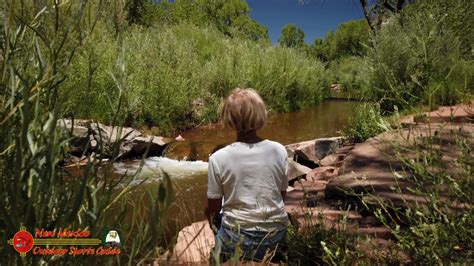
x,y
186,161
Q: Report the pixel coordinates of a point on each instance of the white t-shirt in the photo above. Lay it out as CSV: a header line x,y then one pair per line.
x,y
250,177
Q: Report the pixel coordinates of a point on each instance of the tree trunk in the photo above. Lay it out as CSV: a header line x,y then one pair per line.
x,y
366,8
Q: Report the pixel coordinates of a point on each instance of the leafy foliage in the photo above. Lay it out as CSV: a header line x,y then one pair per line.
x,y
230,17
350,39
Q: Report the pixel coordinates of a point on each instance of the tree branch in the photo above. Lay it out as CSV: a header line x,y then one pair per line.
x,y
388,6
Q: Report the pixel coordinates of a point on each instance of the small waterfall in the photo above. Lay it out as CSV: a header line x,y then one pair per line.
x,y
153,167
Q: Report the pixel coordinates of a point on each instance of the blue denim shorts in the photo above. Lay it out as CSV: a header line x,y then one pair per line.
x,y
248,244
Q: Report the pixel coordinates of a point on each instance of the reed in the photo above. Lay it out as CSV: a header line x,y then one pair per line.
x,y
39,42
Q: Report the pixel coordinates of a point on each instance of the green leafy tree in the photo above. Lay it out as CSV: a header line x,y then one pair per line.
x,y
291,36
351,38
323,49
231,17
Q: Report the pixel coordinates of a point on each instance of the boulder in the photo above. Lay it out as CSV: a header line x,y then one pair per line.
x,y
347,184
304,217
109,134
139,145
87,136
314,150
311,187
344,149
326,146
80,140
296,170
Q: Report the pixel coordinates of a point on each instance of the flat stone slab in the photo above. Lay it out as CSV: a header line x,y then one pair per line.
x,y
372,166
311,186
333,160
347,221
461,113
322,173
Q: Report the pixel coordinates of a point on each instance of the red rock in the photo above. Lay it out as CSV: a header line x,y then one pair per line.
x,y
311,186
315,150
322,173
307,216
296,170
369,221
193,245
344,149
382,251
333,160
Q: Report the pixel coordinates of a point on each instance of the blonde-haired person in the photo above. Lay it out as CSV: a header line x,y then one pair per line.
x,y
247,180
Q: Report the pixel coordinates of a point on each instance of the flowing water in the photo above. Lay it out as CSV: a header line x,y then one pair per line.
x,y
185,161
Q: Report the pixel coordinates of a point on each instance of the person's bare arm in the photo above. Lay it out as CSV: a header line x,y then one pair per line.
x,y
213,208
283,194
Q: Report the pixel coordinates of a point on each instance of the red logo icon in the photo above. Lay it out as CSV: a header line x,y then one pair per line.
x,y
22,241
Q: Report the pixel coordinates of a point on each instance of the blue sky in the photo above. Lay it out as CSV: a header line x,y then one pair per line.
x,y
315,17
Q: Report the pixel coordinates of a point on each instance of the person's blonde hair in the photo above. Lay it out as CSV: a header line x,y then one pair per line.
x,y
244,110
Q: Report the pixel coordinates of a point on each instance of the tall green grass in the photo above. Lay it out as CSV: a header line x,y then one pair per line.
x,y
39,41
177,76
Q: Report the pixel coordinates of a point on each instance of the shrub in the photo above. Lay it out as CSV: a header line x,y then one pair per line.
x,y
422,60
366,122
350,73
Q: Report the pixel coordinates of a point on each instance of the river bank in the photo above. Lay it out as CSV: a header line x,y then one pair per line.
x,y
355,186
198,143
